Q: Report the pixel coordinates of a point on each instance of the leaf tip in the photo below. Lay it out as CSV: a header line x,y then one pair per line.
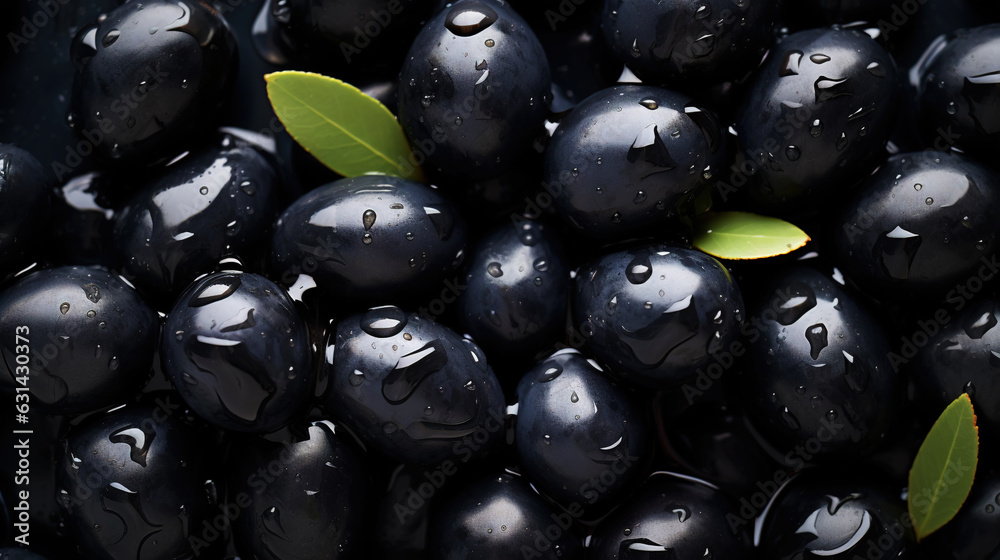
x,y
270,77
805,241
736,235
928,471
320,113
966,399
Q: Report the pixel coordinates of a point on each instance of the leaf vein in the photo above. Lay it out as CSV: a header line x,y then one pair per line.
x,y
313,110
937,486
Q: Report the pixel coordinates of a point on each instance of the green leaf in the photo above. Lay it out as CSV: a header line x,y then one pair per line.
x,y
348,131
741,235
945,466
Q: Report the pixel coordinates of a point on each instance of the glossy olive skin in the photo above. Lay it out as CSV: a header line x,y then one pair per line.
x,y
411,388
372,237
134,477
816,118
474,94
314,509
516,290
214,203
574,427
91,338
957,91
630,158
236,349
678,517
818,370
830,513
25,205
682,42
150,77
352,34
971,533
656,314
919,226
959,358
498,517
83,211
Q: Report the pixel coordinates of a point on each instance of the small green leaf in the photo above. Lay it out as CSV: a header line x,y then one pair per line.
x,y
740,235
348,131
945,466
